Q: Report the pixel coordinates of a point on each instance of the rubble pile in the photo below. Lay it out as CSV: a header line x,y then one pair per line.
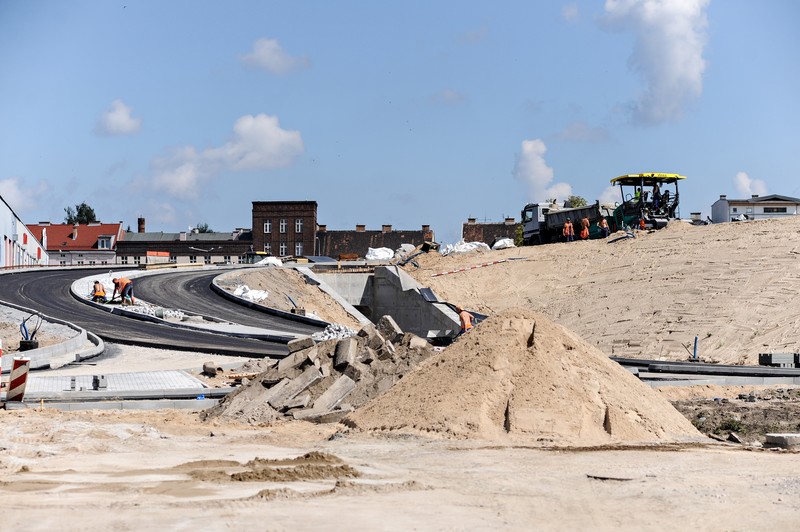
x,y
322,382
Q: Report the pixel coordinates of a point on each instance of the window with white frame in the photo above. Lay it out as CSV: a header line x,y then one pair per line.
x,y
282,249
268,248
207,259
298,249
282,226
192,259
123,260
298,225
104,242
137,259
267,226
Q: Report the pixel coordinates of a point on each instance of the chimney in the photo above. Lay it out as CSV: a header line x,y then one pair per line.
x,y
426,228
470,220
360,228
322,228
509,221
75,232
386,228
141,224
723,196
182,236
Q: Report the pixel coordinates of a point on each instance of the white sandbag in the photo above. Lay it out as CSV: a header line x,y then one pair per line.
x,y
379,254
503,243
270,261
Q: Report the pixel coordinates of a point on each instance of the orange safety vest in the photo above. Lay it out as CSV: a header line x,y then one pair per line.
x,y
568,230
99,290
121,283
585,233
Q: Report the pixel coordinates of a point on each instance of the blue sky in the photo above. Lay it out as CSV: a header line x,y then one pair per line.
x,y
402,113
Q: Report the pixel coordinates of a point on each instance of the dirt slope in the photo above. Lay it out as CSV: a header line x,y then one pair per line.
x,y
732,285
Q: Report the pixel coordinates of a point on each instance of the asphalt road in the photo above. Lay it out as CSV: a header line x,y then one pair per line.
x,y
47,291
191,291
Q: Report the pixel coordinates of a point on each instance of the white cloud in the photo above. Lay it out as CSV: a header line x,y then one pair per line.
x,y
748,187
117,120
610,194
569,12
258,143
670,37
20,196
268,54
531,168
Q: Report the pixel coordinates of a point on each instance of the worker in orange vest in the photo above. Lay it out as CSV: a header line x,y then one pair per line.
x,y
585,228
466,320
569,231
125,288
99,292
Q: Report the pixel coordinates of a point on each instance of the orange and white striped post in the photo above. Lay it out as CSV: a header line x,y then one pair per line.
x,y
19,377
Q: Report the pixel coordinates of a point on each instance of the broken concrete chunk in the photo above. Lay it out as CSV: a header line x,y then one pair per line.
x,y
417,342
389,329
386,351
367,355
300,343
345,352
312,354
376,341
337,391
353,373
295,387
367,331
301,401
294,360
209,369
324,417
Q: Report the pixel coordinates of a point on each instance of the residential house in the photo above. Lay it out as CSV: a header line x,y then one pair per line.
x,y
21,247
79,244
754,208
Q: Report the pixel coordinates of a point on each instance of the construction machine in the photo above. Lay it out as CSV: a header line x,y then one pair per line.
x,y
649,199
544,222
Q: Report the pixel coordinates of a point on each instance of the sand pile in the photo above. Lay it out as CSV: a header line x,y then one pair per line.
x,y
519,376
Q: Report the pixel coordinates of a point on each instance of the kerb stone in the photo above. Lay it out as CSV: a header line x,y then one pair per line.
x,y
346,350
300,343
295,387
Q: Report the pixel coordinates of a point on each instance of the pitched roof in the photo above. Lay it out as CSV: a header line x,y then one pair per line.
x,y
78,237
772,198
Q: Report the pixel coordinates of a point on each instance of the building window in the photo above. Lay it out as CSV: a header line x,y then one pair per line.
x,y
124,260
80,255
282,248
298,249
207,259
775,209
104,243
298,225
92,263
103,262
241,259
227,259
137,259
749,210
80,263
268,248
192,259
173,258
734,209
267,226
62,263
283,225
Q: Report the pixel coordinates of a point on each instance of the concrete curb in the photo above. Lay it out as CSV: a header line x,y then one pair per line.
x,y
42,357
158,404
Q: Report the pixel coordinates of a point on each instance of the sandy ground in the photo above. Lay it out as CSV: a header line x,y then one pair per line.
x,y
119,471
729,284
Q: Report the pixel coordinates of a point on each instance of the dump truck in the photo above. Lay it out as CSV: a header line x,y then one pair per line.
x,y
649,199
544,222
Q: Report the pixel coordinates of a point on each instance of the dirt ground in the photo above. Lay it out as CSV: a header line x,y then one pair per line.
x,y
731,285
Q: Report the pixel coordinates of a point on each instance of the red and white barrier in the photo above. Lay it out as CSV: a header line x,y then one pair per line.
x,y
19,376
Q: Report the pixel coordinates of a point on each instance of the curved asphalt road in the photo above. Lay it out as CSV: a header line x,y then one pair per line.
x,y
191,291
47,291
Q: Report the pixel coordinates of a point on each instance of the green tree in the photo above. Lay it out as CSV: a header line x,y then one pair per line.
x,y
203,228
577,201
81,214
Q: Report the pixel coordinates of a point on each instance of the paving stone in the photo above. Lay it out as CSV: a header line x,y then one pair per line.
x,y
301,401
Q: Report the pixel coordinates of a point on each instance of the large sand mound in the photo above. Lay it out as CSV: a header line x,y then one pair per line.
x,y
520,377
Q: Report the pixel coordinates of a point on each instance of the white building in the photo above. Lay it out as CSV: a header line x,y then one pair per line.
x,y
754,208
20,248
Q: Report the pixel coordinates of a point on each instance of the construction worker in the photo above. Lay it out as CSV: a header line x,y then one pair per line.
x,y
466,320
603,225
99,292
125,288
585,228
569,231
